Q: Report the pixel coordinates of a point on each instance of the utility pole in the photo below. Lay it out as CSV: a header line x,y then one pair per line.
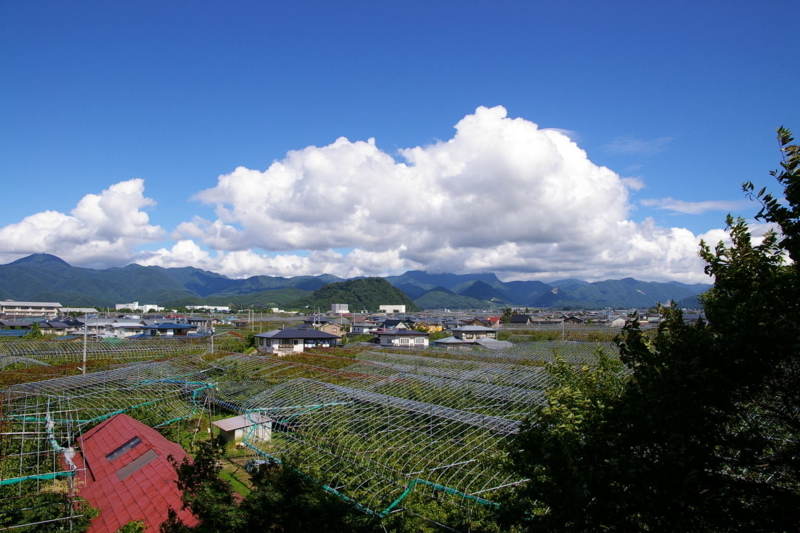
x,y
85,321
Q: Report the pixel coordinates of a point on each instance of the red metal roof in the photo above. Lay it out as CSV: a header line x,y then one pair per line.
x,y
137,482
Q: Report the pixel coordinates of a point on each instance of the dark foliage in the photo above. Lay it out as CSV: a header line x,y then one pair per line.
x,y
282,500
360,294
702,434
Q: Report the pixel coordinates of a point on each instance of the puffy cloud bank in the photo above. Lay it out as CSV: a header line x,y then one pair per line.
x,y
103,229
502,195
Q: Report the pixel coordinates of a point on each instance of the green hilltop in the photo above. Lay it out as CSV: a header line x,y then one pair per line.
x,y
359,294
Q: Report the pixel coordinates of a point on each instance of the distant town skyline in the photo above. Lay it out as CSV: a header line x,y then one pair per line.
x,y
543,141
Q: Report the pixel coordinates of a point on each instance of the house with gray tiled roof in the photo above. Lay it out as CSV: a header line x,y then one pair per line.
x,y
282,341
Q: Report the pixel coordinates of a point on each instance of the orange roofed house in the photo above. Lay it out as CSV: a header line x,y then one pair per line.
x,y
128,476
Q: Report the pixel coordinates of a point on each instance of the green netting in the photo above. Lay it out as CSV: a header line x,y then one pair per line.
x,y
381,430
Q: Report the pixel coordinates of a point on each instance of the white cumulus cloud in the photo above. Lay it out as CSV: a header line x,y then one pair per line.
x,y
501,195
103,228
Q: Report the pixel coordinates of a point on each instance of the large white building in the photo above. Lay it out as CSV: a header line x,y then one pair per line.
x,y
134,306
392,309
217,308
23,309
341,309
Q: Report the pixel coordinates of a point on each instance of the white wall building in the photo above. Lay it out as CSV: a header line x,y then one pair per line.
x,y
392,308
23,309
217,308
401,338
134,306
340,309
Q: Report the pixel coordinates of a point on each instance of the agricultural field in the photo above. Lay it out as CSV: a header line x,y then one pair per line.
x,y
391,432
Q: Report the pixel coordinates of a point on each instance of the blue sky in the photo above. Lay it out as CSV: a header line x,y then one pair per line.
x,y
117,121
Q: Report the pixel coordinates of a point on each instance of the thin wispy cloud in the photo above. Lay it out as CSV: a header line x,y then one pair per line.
x,y
574,136
694,208
635,183
632,145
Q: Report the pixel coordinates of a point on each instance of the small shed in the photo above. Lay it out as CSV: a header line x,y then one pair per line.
x,y
252,426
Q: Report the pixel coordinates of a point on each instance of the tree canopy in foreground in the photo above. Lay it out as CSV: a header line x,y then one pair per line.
x,y
698,427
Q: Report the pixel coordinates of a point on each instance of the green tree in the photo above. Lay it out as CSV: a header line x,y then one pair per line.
x,y
132,527
35,332
702,434
46,510
210,498
282,500
285,500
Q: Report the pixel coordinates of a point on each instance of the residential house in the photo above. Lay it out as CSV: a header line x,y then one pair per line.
x,y
53,327
470,336
333,329
520,320
169,329
493,321
317,320
617,322
123,328
202,323
401,338
475,321
282,341
361,328
392,323
452,324
473,333
431,326
129,475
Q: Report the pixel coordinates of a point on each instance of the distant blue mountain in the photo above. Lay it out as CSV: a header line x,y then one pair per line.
x,y
46,277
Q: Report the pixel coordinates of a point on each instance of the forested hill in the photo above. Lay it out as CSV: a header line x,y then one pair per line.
x,y
359,294
43,277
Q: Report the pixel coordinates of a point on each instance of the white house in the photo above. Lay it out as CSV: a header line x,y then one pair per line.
x,y
473,333
401,338
392,309
360,328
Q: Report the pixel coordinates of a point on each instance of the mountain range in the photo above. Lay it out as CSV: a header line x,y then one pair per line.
x,y
44,277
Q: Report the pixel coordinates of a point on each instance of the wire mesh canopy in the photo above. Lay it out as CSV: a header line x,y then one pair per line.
x,y
378,429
